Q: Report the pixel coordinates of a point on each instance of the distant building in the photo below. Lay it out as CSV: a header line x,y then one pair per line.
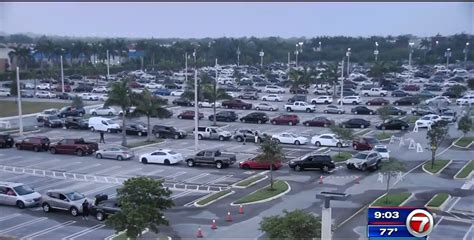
x,y
5,61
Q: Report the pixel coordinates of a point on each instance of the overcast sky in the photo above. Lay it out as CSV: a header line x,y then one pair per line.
x,y
198,20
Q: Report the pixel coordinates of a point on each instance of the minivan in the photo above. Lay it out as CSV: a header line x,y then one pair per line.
x,y
103,124
18,194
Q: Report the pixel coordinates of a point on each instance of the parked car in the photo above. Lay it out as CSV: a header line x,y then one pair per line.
x,y
208,104
73,146
177,92
6,141
64,96
115,152
46,112
405,101
104,207
355,123
350,100
103,111
76,123
362,110
423,110
70,111
103,124
212,157
334,109
162,92
322,100
255,117
427,120
83,88
162,156
364,160
328,139
289,138
212,133
319,161
300,106
266,106
297,98
18,194
322,91
449,116
88,96
399,93
161,131
249,95
271,97
395,111
465,100
273,89
248,135
287,119
378,101
236,103
45,94
383,151
36,143
25,94
100,89
251,89
364,143
318,122
298,90
63,199
182,102
393,124
443,100
411,88
224,116
189,114
52,121
254,163
136,129
435,88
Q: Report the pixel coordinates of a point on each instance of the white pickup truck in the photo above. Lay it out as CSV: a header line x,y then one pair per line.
x,y
374,92
300,106
213,133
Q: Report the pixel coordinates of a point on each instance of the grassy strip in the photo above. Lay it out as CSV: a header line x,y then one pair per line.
x,y
438,165
10,108
438,200
340,157
464,141
121,236
383,135
412,119
213,197
392,200
249,181
143,143
361,133
466,170
264,193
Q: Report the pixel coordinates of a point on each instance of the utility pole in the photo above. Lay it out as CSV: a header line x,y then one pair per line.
x,y
18,93
261,58
289,62
348,55
238,57
342,81
62,75
376,51
411,44
108,62
447,54
196,112
465,51
186,67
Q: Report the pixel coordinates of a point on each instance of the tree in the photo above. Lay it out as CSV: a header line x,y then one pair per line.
x,y
384,114
435,136
390,169
344,134
271,153
465,124
121,95
470,83
297,225
212,94
331,76
142,201
457,90
77,102
149,105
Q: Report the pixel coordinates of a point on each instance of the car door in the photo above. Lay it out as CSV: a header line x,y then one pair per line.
x,y
208,157
63,202
213,134
308,162
9,196
371,159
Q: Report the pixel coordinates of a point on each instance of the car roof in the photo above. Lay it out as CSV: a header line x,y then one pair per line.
x,y
11,184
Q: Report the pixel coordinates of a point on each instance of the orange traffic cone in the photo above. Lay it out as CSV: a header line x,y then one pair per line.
x,y
321,180
241,209
229,217
214,225
357,180
199,233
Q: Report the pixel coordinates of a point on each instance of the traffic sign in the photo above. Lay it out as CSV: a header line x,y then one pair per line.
x,y
419,223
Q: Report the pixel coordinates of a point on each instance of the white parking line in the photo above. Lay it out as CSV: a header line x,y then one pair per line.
x,y
6,230
95,190
11,158
107,169
44,187
22,162
9,217
41,163
172,176
11,179
467,233
181,194
153,172
47,230
196,177
87,167
219,179
83,232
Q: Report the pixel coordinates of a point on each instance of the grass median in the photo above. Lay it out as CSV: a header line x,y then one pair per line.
x,y
361,133
247,182
466,170
213,197
392,200
437,200
341,157
143,143
464,141
438,165
10,108
279,186
383,135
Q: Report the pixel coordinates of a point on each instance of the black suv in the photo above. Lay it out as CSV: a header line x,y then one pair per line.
x,y
255,117
103,207
6,141
71,112
225,116
83,88
295,98
411,100
52,122
161,131
182,102
322,162
77,123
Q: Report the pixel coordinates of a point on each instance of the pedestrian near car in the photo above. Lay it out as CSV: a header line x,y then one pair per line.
x,y
102,140
85,210
256,137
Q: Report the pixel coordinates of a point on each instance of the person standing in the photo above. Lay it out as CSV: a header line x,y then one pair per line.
x,y
102,140
256,137
85,210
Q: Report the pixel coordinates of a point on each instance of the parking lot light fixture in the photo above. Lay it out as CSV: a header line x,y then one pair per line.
x,y
376,51
196,112
348,55
447,54
108,62
326,218
465,51
238,56
261,57
18,93
410,44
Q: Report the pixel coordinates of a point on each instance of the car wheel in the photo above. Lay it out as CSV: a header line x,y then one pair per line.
x,y
46,207
144,161
297,142
52,150
325,169
179,116
383,127
257,108
362,126
288,109
356,113
100,216
20,204
246,167
81,114
176,136
259,122
111,113
94,114
244,108
199,136
271,109
308,110
264,99
277,141
167,162
368,103
354,146
290,123
371,113
190,163
221,138
318,144
339,145
36,149
364,167
74,212
119,157
18,147
140,134
239,139
219,165
98,155
298,168
355,103
306,124
396,103
326,111
92,129
377,165
343,125
64,115
79,152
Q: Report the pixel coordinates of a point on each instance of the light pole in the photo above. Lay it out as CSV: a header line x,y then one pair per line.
x,y
186,67
326,218
261,57
62,74
108,62
411,44
18,93
465,51
348,55
376,51
196,114
447,54
342,81
320,48
238,56
289,62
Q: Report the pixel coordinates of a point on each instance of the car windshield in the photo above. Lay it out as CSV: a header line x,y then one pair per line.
x,y
361,156
64,108
172,152
110,122
23,190
381,150
74,196
372,140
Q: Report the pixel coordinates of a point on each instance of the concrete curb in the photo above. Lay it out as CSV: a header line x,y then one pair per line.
x,y
466,147
253,183
442,204
264,200
211,202
436,173
401,204
460,170
148,145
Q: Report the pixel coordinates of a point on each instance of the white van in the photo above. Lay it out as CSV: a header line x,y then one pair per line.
x,y
103,124
18,194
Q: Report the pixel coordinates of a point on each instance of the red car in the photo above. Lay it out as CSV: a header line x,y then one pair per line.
x,y
288,119
134,85
365,143
252,163
318,122
189,115
67,88
411,88
378,101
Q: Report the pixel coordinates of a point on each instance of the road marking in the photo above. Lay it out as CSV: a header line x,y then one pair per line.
x,y
47,162
182,194
83,232
154,172
87,167
26,161
127,172
14,178
95,190
219,179
172,176
66,165
467,233
454,203
6,230
52,185
107,169
196,177
47,230
9,217
10,158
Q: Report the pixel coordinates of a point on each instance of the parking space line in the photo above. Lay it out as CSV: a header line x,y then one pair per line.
x,y
467,233
9,217
153,172
11,179
44,187
96,190
127,172
107,169
87,167
83,232
219,179
181,194
11,158
22,162
172,176
13,228
47,230
196,177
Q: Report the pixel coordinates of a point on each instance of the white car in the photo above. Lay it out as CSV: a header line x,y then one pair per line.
x,y
207,104
43,86
162,156
273,89
321,91
232,94
383,151
289,138
350,100
438,99
89,96
466,100
101,89
29,86
102,111
5,93
427,120
178,92
271,97
104,97
322,100
153,86
266,106
45,94
328,139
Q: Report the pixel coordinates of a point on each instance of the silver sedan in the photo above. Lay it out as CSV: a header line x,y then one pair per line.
x,y
333,109
266,106
119,153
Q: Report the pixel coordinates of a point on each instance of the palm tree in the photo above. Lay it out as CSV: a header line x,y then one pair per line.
x,y
23,56
149,105
121,95
271,153
211,93
330,76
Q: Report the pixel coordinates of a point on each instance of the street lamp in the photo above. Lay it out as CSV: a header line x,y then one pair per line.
x,y
465,51
320,48
447,54
196,114
238,56
296,55
62,71
326,218
348,55
376,51
261,57
411,44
